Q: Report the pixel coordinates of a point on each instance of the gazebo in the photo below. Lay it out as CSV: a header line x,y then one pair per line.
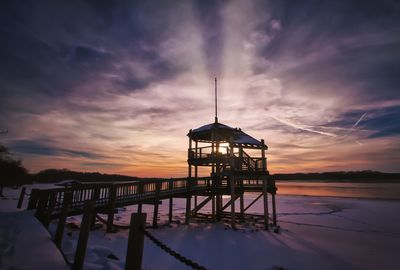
x,y
218,151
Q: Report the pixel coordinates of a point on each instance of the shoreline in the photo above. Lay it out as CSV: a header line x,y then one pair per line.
x,y
340,197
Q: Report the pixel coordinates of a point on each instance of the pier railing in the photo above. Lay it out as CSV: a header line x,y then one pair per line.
x,y
112,195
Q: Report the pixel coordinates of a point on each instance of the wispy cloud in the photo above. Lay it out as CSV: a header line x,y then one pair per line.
x,y
303,127
300,75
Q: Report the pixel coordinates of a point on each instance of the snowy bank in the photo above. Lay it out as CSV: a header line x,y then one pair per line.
x,y
26,244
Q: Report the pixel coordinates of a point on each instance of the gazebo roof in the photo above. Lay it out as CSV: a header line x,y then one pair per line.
x,y
224,133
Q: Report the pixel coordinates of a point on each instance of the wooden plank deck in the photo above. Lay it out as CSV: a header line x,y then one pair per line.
x,y
131,193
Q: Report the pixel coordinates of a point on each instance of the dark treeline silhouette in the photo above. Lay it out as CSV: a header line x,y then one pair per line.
x,y
56,175
12,173
351,176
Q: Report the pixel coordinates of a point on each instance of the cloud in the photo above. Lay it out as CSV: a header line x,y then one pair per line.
x,y
140,74
37,148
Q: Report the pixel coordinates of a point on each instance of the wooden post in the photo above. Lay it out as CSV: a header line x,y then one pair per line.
x,y
156,202
49,210
273,210
232,183
265,186
213,189
21,197
188,182
265,193
83,236
170,208
43,199
214,217
241,199
33,199
196,172
95,197
63,217
218,197
141,190
240,158
188,201
111,207
134,252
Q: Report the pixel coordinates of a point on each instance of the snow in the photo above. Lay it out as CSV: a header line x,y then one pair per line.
x,y
316,233
26,244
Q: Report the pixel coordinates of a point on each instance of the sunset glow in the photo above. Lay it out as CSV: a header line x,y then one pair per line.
x,y
115,88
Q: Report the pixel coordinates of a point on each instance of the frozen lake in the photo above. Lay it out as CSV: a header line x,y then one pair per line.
x,y
340,189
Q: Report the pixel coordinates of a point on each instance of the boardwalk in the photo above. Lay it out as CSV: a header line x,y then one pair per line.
x,y
108,196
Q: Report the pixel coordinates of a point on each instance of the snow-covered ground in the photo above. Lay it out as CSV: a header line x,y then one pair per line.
x,y
316,233
26,244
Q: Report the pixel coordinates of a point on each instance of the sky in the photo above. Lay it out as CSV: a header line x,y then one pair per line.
x,y
115,86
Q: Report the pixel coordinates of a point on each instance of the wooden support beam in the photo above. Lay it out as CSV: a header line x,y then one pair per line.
x,y
140,191
134,252
155,213
33,199
21,197
273,210
111,207
201,205
229,203
188,184
170,208
241,197
62,218
50,209
266,213
253,202
232,182
43,199
214,217
265,187
95,197
233,197
83,236
188,203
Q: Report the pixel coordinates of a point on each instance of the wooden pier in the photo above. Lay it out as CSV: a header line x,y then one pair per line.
x,y
109,196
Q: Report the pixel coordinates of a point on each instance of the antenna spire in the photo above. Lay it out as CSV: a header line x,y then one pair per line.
x,y
216,101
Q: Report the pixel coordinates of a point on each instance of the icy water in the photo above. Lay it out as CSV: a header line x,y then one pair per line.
x,y
339,189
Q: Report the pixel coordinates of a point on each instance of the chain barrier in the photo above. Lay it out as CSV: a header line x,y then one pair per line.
x,y
173,253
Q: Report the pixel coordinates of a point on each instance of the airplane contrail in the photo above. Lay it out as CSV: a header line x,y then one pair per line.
x,y
359,120
302,127
356,123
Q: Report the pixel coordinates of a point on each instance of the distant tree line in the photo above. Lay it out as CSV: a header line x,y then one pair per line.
x,y
352,176
56,175
12,173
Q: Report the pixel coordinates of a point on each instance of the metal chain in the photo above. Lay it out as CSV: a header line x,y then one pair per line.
x,y
173,253
164,247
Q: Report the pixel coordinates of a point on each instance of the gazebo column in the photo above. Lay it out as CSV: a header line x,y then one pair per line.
x,y
214,184
196,172
218,196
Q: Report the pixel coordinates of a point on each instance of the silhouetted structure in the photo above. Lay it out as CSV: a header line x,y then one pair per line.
x,y
221,149
234,163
